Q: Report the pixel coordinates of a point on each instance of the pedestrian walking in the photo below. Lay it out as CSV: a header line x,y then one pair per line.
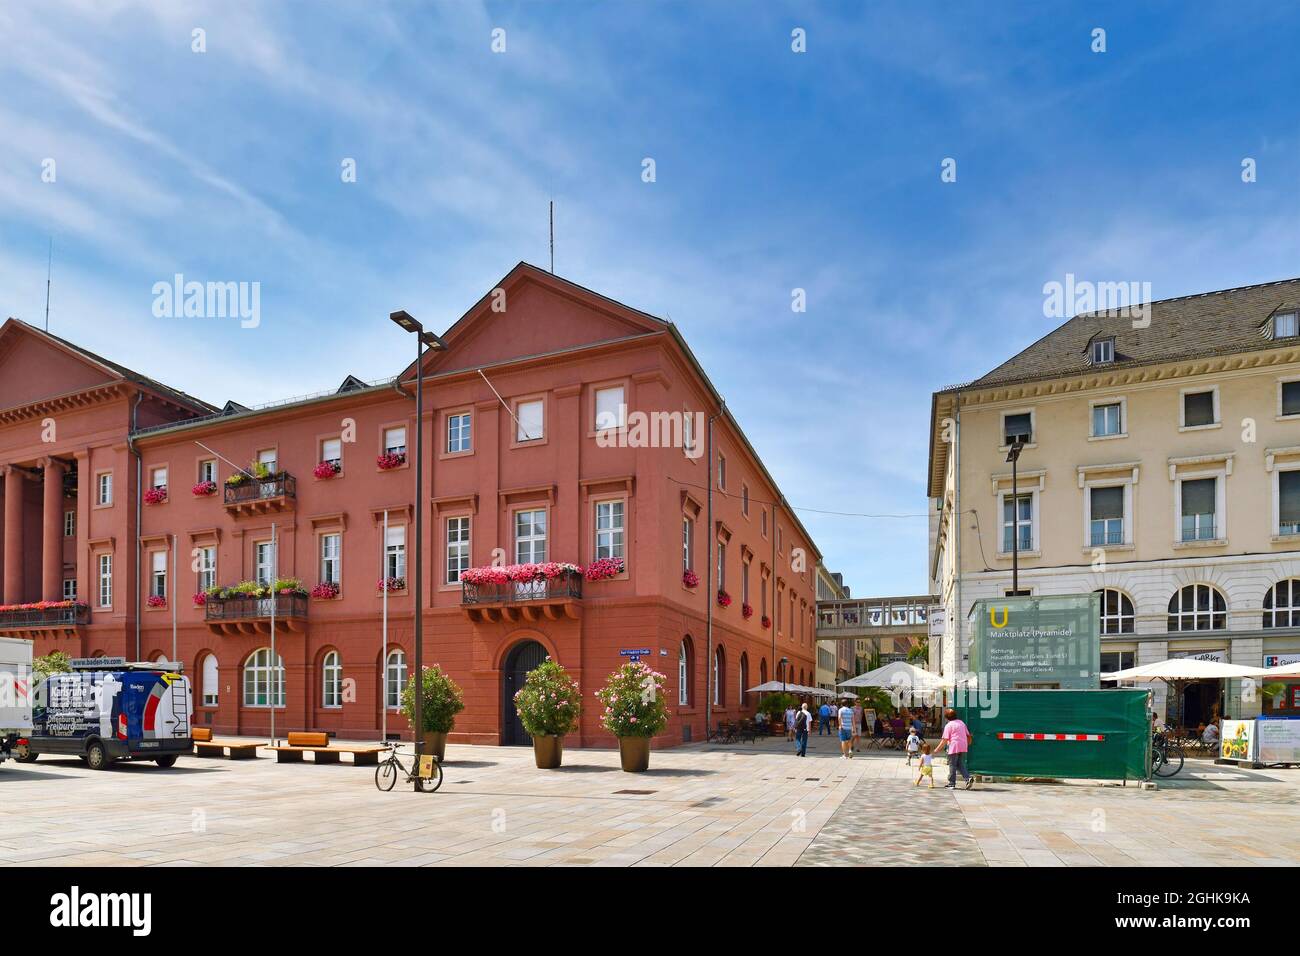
x,y
913,746
846,732
789,722
802,724
824,719
926,766
857,723
956,737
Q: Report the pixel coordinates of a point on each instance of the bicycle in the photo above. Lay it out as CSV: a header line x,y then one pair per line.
x,y
1166,756
391,768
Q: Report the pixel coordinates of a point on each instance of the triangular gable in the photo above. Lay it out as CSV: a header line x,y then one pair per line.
x,y
34,367
351,384
534,313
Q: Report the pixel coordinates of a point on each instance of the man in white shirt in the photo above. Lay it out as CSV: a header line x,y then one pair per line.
x,y
846,731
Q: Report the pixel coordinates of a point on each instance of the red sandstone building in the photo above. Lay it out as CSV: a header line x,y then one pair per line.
x,y
103,472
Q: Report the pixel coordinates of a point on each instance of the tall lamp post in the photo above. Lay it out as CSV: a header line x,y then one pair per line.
x,y
422,339
783,664
1013,456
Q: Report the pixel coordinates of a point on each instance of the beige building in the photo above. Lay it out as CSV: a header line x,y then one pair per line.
x,y
833,657
1160,465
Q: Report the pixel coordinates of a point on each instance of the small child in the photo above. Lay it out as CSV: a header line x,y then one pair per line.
x,y
913,745
926,769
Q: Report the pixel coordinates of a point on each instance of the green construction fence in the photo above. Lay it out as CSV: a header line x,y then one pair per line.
x,y
1015,734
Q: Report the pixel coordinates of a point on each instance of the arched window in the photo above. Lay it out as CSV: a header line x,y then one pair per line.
x,y
211,680
394,679
263,684
1197,607
1282,604
332,680
719,675
1116,611
744,680
684,674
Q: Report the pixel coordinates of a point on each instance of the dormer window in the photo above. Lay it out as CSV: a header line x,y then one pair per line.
x,y
1286,325
1103,351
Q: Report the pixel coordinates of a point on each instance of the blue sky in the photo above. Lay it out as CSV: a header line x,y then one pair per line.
x,y
775,171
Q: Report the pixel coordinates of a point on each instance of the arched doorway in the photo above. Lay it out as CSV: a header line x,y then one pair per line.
x,y
523,657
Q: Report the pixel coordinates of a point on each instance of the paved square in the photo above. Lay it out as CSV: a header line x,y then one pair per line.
x,y
739,805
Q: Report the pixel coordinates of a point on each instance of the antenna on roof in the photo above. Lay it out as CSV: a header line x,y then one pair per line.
x,y
552,237
49,270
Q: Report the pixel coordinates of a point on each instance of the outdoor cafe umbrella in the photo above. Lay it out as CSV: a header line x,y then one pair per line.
x,y
900,676
1177,672
1283,671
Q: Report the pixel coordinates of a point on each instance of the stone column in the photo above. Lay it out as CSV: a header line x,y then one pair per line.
x,y
13,577
52,532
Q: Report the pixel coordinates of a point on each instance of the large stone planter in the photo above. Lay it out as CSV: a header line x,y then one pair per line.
x,y
634,754
548,751
435,742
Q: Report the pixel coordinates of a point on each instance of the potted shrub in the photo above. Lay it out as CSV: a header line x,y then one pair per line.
x,y
635,710
442,701
549,705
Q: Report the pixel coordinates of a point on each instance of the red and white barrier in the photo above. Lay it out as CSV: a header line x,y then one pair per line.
x,y
1051,736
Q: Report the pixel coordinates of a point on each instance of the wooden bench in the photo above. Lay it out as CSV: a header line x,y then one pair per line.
x,y
205,746
318,745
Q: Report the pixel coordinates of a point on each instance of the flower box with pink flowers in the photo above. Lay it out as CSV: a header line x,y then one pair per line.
x,y
155,496
327,469
204,489
390,460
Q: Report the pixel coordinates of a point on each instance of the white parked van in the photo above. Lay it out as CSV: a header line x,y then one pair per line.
x,y
15,693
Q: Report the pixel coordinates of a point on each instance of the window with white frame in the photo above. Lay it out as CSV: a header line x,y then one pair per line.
x,y
1116,611
69,589
1017,520
69,524
263,683
1103,351
211,680
1289,398
267,458
744,582
207,567
1285,325
331,558
1282,604
1288,501
104,489
1197,607
264,562
1107,420
1198,506
722,470
1018,427
459,436
394,679
158,574
395,440
1106,515
395,552
530,420
611,408
718,671
688,433
331,451
158,478
1200,408
688,542
683,675
530,536
105,565
722,565
457,548
332,680
208,470
744,499
609,529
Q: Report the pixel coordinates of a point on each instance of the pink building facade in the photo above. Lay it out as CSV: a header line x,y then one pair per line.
x,y
558,426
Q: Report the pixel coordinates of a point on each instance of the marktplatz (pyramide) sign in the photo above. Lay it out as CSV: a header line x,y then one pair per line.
x,y
1049,641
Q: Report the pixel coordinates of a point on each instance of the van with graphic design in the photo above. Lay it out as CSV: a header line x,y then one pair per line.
x,y
126,712
15,693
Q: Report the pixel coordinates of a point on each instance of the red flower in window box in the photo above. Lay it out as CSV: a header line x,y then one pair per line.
x,y
200,599
391,584
690,579
204,488
156,601
389,460
155,496
724,599
765,621
325,591
327,469
747,611
604,568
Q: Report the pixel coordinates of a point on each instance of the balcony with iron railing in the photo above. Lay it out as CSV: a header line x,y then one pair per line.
x,y
43,619
551,598
1198,527
252,615
253,496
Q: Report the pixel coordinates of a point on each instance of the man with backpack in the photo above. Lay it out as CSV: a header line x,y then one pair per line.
x,y
802,723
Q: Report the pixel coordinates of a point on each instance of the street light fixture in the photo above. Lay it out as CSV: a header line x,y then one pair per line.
x,y
423,339
783,665
1013,456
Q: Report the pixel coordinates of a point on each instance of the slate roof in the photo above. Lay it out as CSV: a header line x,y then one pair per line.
x,y
1194,326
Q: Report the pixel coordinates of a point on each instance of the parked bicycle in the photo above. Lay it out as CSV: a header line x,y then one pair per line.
x,y
391,767
1166,755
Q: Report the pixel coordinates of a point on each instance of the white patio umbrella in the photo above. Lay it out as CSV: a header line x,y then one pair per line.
x,y
1185,668
900,676
1283,671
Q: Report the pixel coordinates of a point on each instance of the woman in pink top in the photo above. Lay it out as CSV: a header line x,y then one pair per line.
x,y
956,737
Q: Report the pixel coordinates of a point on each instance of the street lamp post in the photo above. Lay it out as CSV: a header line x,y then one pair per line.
x,y
783,664
422,339
1013,456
